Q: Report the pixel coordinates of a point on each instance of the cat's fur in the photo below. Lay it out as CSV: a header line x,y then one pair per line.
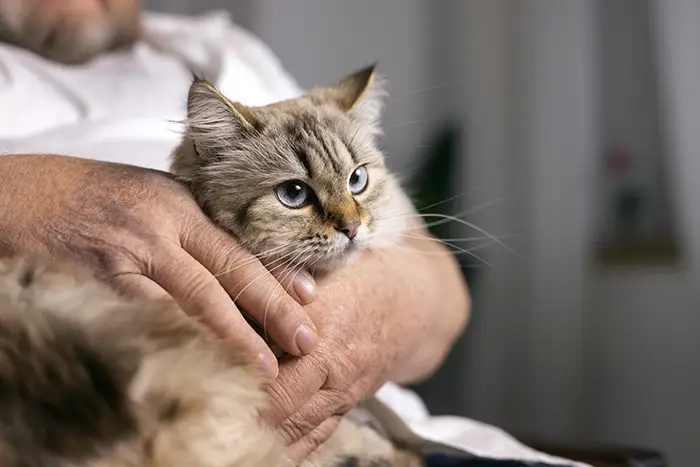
x,y
234,157
88,379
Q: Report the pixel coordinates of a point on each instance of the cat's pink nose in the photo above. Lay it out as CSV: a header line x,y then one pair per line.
x,y
349,228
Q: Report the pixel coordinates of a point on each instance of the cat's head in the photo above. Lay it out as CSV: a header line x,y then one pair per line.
x,y
301,179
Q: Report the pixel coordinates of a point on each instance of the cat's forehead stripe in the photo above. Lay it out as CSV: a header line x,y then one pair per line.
x,y
303,157
311,145
331,155
320,150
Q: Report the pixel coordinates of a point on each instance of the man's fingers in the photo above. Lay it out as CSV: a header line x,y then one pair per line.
x,y
252,286
299,379
299,284
325,404
201,296
138,286
301,449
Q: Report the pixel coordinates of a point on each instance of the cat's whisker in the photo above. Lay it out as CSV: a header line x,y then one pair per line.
x,y
269,300
423,90
481,246
460,214
468,212
267,271
447,200
279,283
460,251
257,258
457,239
409,122
466,224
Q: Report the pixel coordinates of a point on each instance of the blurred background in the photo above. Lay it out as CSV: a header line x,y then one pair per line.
x,y
569,130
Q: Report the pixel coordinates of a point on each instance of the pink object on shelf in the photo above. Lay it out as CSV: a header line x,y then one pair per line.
x,y
619,159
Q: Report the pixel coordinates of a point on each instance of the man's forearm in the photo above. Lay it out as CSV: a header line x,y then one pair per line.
x,y
434,294
416,295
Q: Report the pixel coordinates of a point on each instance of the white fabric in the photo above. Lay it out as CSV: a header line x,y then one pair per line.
x,y
122,107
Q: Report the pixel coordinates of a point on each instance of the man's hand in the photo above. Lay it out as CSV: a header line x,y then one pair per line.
x,y
392,316
142,232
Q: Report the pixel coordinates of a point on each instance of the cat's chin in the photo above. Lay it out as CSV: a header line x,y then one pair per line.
x,y
331,263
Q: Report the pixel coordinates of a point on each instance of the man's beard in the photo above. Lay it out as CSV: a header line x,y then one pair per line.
x,y
69,39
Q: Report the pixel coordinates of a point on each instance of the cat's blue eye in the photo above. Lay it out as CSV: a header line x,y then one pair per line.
x,y
294,194
358,180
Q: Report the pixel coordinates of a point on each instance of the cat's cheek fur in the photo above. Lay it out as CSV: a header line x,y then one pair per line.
x,y
394,216
269,227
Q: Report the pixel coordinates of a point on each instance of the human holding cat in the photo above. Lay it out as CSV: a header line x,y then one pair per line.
x,y
383,317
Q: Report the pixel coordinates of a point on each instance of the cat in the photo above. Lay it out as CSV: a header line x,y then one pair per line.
x,y
302,184
300,176
92,379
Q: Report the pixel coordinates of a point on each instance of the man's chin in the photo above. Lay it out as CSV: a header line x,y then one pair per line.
x,y
65,37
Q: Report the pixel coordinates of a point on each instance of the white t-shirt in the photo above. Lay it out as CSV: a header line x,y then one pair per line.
x,y
125,107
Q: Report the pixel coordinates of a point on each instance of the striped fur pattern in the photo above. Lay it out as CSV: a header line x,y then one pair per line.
x,y
234,158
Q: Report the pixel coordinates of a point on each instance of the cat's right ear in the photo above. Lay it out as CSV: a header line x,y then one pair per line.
x,y
213,119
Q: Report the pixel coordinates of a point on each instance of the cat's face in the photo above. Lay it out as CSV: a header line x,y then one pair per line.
x,y
301,179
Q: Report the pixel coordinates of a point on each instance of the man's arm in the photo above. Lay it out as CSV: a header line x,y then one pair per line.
x,y
143,232
391,316
434,293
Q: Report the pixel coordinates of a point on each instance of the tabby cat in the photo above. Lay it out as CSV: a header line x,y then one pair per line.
x,y
89,379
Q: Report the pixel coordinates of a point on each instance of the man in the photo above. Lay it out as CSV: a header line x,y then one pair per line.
x,y
94,79
143,232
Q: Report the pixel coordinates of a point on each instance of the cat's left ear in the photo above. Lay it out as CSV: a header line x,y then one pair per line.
x,y
213,119
360,94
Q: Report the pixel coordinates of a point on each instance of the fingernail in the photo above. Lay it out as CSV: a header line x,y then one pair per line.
x,y
305,288
268,364
305,338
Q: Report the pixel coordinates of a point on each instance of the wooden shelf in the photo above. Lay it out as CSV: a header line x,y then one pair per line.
x,y
662,251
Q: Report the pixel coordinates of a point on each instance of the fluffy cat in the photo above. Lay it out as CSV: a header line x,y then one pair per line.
x,y
299,177
302,184
90,379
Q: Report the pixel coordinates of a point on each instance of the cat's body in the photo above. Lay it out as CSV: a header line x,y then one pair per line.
x,y
88,379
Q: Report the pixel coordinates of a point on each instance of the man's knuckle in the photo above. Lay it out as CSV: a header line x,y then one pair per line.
x,y
297,428
281,401
343,372
319,436
342,400
111,256
277,309
197,286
